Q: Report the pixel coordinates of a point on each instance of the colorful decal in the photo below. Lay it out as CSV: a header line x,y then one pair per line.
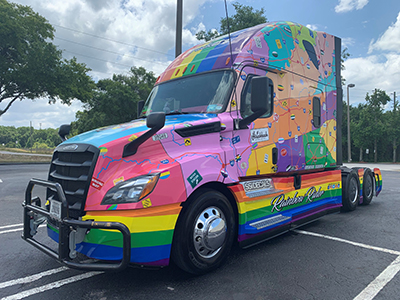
x,y
96,183
165,175
259,135
132,137
194,179
188,142
236,139
118,180
160,136
103,150
146,203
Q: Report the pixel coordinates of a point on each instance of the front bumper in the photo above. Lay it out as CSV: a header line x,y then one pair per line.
x,y
69,229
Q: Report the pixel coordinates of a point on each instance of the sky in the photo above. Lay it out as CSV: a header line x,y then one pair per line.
x,y
111,36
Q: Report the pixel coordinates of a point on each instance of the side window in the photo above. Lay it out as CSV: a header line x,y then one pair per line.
x,y
245,98
317,112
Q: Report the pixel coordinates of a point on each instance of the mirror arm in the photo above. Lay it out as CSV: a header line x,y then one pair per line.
x,y
131,148
246,121
155,122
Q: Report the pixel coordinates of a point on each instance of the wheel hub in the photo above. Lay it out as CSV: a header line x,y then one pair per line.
x,y
209,232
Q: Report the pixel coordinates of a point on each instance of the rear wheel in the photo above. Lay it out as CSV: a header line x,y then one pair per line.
x,y
368,187
350,191
204,233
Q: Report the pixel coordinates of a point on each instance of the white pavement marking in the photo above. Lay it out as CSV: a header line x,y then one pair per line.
x,y
348,242
17,229
51,286
1,181
11,230
9,226
31,278
379,283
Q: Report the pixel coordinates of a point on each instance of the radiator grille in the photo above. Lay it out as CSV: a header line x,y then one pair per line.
x,y
72,166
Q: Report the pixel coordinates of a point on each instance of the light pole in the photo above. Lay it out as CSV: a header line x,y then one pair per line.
x,y
350,85
178,34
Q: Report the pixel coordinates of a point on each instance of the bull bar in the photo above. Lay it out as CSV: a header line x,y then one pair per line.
x,y
67,229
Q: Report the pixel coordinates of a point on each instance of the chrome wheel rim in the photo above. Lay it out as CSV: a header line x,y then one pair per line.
x,y
209,232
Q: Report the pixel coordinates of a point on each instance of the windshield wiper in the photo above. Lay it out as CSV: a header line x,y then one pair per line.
x,y
177,113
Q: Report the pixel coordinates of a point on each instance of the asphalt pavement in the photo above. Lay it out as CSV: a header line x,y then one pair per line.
x,y
341,256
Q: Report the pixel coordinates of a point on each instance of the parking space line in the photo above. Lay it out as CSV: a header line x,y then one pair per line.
x,y
51,286
31,278
18,229
10,226
348,242
11,230
379,282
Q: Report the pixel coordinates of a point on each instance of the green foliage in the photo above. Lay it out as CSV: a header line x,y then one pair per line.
x,y
31,66
244,17
26,137
372,128
344,55
115,100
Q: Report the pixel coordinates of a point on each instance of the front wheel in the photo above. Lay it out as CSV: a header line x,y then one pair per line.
x,y
204,233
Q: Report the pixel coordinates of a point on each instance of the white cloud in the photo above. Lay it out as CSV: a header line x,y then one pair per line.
x,y
109,36
134,33
40,113
312,26
390,40
349,5
374,71
347,42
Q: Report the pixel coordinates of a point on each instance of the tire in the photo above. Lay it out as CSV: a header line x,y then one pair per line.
x,y
350,191
368,186
204,232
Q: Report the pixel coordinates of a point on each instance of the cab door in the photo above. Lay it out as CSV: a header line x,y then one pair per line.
x,y
256,151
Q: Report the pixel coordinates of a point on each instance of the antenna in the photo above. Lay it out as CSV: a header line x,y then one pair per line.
x,y
229,32
236,120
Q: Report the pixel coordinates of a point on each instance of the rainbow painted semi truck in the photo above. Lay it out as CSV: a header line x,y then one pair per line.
x,y
237,142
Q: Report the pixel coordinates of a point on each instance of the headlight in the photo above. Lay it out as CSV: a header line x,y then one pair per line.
x,y
132,190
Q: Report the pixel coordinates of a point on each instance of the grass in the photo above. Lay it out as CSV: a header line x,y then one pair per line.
x,y
29,158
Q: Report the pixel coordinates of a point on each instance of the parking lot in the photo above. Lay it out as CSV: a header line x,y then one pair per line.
x,y
342,256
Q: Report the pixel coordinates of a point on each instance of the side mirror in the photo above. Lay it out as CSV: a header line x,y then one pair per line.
x,y
155,121
140,106
64,131
262,104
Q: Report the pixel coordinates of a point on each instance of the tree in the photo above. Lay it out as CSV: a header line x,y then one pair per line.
x,y
344,55
31,66
373,115
26,137
115,100
393,126
245,17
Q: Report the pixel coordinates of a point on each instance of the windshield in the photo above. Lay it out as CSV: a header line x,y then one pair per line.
x,y
205,93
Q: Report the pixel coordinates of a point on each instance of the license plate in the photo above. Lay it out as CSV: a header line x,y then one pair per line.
x,y
55,209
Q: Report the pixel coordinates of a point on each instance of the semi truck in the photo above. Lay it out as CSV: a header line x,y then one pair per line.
x,y
238,142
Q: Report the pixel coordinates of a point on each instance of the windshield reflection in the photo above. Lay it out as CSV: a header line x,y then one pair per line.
x,y
203,93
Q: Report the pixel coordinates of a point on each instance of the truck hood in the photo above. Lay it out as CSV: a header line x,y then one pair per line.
x,y
104,135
